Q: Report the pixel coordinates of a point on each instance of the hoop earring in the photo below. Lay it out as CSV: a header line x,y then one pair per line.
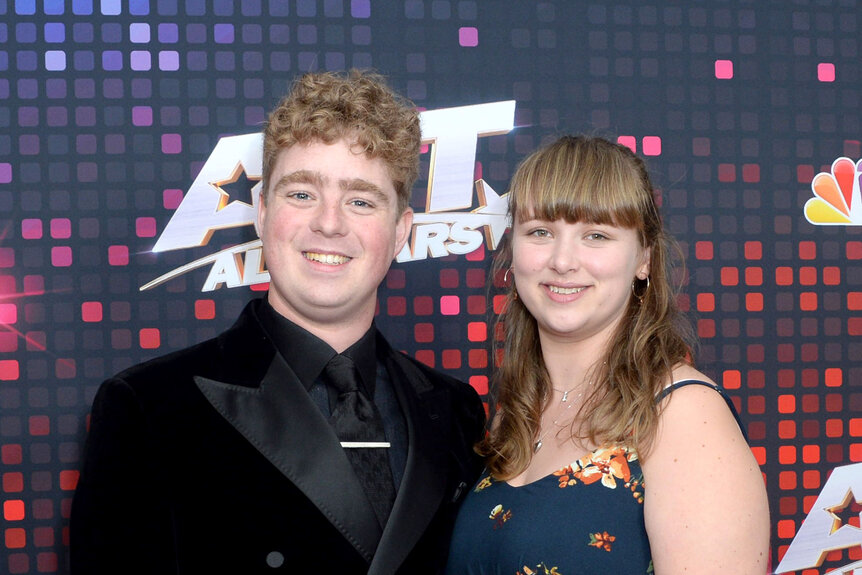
x,y
640,297
506,275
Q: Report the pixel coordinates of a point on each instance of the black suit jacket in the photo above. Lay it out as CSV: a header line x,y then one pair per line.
x,y
214,459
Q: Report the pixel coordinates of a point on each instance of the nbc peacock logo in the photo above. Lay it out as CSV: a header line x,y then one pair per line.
x,y
837,200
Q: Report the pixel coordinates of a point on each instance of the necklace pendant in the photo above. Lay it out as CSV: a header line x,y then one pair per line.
x,y
565,396
537,446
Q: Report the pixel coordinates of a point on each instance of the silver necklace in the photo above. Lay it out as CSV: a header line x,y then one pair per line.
x,y
565,393
539,442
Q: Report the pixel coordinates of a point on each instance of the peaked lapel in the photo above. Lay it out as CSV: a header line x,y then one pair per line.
x,y
423,486
281,421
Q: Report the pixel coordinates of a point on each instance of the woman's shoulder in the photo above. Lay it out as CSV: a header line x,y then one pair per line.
x,y
693,404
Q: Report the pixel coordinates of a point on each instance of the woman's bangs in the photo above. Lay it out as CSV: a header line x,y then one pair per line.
x,y
577,193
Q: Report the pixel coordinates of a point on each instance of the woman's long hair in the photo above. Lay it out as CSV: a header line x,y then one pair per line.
x,y
588,179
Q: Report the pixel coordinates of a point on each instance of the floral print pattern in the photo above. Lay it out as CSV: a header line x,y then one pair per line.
x,y
613,468
540,569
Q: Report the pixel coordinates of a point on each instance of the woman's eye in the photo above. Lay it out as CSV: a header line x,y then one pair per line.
x,y
597,236
540,233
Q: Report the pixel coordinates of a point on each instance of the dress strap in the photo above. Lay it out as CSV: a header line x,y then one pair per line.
x,y
677,384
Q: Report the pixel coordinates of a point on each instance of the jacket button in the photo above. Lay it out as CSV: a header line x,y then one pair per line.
x,y
275,559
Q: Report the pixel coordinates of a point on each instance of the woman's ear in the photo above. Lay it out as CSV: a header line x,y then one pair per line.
x,y
643,269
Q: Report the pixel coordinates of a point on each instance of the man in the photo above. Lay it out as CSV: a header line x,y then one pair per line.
x,y
244,454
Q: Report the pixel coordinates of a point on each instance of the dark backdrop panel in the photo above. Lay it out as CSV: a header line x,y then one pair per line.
x,y
108,111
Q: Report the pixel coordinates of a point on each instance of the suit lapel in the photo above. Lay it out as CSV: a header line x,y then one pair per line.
x,y
424,482
282,422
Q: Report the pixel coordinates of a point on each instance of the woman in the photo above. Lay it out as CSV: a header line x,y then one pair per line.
x,y
608,452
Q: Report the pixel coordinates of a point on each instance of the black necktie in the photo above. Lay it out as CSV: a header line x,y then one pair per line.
x,y
355,419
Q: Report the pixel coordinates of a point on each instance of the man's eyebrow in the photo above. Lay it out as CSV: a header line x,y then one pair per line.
x,y
360,185
300,177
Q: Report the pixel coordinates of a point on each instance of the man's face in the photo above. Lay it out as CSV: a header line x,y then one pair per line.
x,y
330,230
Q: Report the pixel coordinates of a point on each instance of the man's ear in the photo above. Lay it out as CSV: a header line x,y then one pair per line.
x,y
261,213
403,227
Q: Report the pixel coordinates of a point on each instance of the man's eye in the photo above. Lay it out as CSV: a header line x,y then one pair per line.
x,y
300,195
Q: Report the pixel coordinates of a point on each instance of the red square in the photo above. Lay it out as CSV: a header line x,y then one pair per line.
x,y
205,309
480,384
118,255
396,306
753,250
69,479
13,510
451,359
426,356
13,482
16,538
477,331
11,454
703,250
729,276
423,305
477,358
423,332
476,304
91,311
39,425
150,338
9,369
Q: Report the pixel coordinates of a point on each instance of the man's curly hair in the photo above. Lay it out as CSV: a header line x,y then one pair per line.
x,y
359,106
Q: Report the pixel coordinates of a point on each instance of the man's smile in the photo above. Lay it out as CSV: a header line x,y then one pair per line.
x,y
328,259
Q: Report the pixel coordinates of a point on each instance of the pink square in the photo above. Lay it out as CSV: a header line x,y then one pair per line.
x,y
172,143
61,256
9,370
118,255
7,257
826,72
31,229
61,228
145,227
723,69
450,305
171,198
468,36
142,116
629,142
8,313
652,146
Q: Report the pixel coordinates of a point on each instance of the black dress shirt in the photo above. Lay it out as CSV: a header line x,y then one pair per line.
x,y
307,355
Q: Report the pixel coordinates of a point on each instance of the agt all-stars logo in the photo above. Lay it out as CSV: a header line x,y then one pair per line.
x,y
448,225
837,200
832,524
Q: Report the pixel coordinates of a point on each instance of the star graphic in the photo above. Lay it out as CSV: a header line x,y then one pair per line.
x,y
845,513
490,215
235,188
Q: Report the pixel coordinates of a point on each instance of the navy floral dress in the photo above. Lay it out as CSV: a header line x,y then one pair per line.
x,y
586,518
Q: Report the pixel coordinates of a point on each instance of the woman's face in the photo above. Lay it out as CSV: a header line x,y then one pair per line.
x,y
575,278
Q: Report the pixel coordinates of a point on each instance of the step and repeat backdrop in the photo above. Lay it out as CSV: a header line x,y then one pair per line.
x,y
122,119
